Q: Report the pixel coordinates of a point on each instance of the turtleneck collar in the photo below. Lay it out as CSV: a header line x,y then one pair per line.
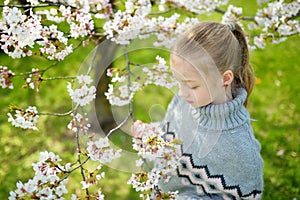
x,y
224,116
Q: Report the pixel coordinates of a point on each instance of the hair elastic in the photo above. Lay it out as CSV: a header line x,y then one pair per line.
x,y
231,26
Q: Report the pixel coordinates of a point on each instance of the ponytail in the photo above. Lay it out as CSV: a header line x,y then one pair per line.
x,y
227,46
244,76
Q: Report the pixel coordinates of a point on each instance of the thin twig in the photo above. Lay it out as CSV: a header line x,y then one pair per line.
x,y
93,60
30,6
79,161
136,64
75,168
57,114
129,83
119,126
59,77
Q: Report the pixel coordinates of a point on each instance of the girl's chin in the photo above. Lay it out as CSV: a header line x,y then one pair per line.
x,y
195,105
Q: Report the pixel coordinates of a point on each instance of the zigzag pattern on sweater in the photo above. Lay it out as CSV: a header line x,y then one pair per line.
x,y
207,183
204,181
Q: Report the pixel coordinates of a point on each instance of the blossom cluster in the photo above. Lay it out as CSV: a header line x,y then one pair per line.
x,y
160,195
233,14
120,93
34,80
79,123
20,30
100,151
153,146
79,20
91,179
276,22
127,25
5,77
25,119
46,183
159,74
54,45
84,93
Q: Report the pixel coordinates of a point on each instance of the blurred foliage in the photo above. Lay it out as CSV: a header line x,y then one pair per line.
x,y
274,105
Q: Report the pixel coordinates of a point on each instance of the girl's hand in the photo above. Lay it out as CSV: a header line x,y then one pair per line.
x,y
137,129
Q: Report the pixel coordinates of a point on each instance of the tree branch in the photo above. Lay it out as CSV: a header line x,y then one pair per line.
x,y
37,6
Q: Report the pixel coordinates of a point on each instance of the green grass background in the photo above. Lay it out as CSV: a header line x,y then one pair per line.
x,y
274,104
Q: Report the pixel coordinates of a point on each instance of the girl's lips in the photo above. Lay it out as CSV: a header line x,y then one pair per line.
x,y
190,102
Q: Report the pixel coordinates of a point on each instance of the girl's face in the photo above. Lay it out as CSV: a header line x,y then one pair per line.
x,y
193,87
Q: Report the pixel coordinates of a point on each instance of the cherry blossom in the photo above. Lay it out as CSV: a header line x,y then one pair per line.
x,y
46,184
232,15
276,22
144,181
79,123
83,94
120,93
5,77
20,32
159,74
24,119
99,196
34,80
54,44
152,146
100,151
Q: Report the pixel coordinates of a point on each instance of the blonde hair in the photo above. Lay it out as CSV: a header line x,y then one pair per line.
x,y
226,45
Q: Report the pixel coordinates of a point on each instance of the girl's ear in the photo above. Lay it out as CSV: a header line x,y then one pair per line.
x,y
227,78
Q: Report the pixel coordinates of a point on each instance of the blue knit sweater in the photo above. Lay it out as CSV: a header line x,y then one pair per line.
x,y
220,158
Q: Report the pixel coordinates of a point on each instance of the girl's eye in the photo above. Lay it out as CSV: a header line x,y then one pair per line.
x,y
194,87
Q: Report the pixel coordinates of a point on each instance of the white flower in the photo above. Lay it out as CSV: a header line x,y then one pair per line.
x,y
79,123
99,176
24,119
44,184
100,196
85,184
232,15
5,77
127,25
144,181
260,41
277,17
74,197
152,147
139,162
60,190
33,2
82,25
84,94
100,151
20,31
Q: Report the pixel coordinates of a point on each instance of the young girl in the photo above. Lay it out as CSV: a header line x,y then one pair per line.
x,y
220,158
